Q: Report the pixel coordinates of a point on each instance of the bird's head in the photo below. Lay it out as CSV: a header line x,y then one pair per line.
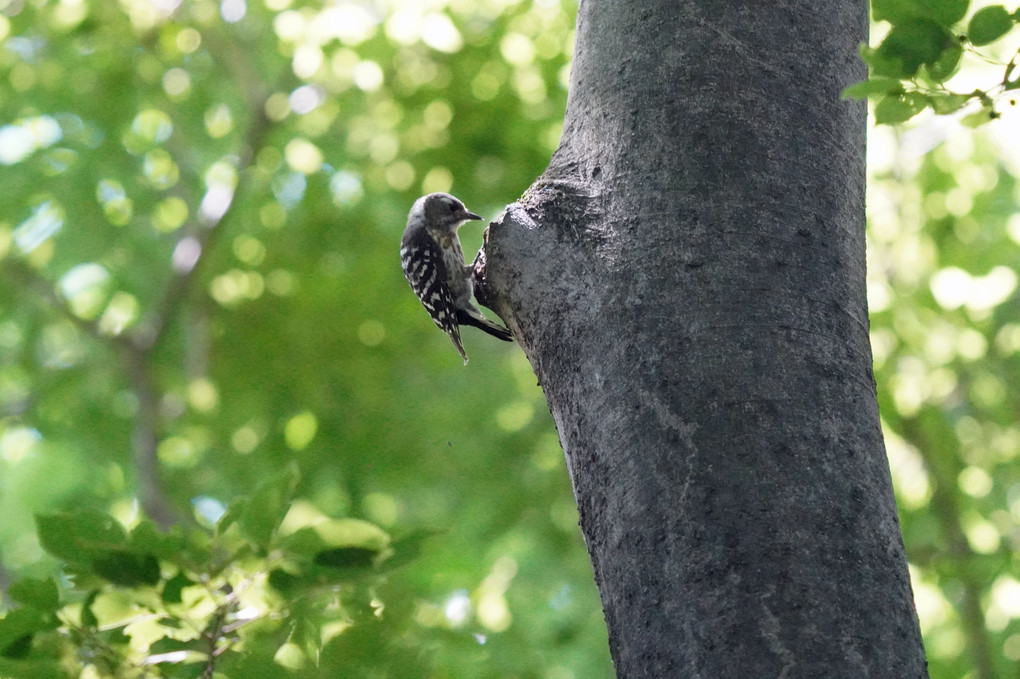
x,y
443,212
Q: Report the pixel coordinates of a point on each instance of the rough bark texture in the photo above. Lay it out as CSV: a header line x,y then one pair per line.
x,y
687,279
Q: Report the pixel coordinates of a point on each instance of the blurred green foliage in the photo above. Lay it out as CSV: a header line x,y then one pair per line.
x,y
198,266
284,142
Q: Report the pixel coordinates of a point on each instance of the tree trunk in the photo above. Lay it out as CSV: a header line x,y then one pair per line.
x,y
688,280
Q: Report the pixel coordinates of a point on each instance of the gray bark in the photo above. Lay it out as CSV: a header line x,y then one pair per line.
x,y
688,281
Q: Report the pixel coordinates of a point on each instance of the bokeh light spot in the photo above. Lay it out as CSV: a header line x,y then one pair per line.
x,y
300,430
218,121
303,156
382,508
17,443
189,40
248,249
85,289
517,49
975,481
233,11
203,395
438,179
244,440
306,99
22,139
307,61
177,451
515,416
371,333
170,214
120,314
280,282
46,220
368,76
439,33
345,186
400,175
177,83
458,608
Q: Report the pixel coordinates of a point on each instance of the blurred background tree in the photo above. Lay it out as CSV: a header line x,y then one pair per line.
x,y
199,284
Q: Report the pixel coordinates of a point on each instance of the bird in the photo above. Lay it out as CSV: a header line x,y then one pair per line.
x,y
433,263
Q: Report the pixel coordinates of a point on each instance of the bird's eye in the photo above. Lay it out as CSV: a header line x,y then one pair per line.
x,y
452,207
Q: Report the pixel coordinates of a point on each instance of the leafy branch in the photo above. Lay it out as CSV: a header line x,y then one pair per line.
x,y
923,50
194,601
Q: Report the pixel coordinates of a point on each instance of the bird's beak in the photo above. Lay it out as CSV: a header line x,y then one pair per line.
x,y
470,215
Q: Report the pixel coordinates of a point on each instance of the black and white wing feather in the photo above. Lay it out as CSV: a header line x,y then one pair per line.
x,y
422,261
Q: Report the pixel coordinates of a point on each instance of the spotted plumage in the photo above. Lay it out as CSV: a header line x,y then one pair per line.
x,y
433,262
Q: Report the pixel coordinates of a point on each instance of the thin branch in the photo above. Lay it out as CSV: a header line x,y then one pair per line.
x,y
204,238
134,361
135,348
145,440
20,274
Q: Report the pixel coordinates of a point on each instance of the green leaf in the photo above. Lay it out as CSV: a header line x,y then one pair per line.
x,y
168,645
407,549
78,536
945,12
947,103
907,47
173,587
88,616
261,514
19,624
146,538
126,569
337,533
989,24
46,668
985,115
288,583
873,88
896,11
346,557
897,108
943,68
40,594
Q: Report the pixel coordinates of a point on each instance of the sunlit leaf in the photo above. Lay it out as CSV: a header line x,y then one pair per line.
x,y
985,115
88,617
946,12
873,88
261,514
909,46
897,108
947,103
946,65
989,24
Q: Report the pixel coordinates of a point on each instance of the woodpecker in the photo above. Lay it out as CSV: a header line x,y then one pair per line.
x,y
433,262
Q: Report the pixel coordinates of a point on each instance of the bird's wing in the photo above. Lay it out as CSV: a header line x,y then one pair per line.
x,y
426,273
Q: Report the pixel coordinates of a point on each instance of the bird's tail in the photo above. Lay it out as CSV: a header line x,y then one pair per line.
x,y
479,321
455,338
